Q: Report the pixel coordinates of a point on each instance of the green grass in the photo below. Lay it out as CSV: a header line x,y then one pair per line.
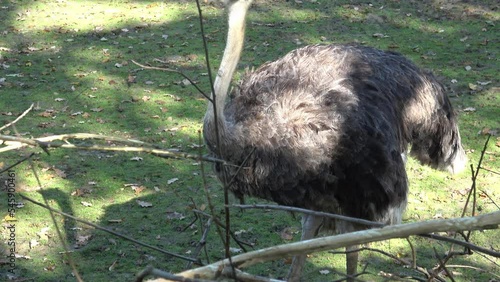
x,y
81,52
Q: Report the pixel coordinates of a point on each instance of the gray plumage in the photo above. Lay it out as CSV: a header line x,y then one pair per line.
x,y
325,128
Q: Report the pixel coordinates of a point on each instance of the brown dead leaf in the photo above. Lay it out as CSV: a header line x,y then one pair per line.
x,y
60,173
138,189
78,192
113,265
131,79
82,240
46,124
47,114
286,234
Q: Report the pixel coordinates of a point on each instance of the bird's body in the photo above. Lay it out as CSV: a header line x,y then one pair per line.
x,y
327,128
324,128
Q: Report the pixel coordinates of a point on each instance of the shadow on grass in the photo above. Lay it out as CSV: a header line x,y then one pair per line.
x,y
81,68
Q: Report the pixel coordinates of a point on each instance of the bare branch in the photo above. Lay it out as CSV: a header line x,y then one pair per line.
x,y
490,220
47,142
18,118
175,71
316,213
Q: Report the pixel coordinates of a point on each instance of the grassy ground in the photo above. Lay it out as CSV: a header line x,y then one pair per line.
x,y
72,59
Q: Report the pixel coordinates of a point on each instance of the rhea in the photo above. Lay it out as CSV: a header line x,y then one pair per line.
x,y
327,128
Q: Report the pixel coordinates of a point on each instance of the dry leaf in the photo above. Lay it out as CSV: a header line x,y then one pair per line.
x,y
33,243
469,109
144,204
137,159
175,215
86,204
324,271
44,232
82,240
235,250
170,181
112,266
286,234
115,220
138,190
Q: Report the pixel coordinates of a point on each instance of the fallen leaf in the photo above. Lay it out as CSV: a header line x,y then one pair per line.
x,y
33,243
43,232
112,266
86,204
82,240
59,99
131,79
469,109
170,181
483,83
137,159
144,204
235,250
286,234
138,190
324,271
175,215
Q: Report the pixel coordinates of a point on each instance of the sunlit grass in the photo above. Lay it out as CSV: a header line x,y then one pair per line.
x,y
81,51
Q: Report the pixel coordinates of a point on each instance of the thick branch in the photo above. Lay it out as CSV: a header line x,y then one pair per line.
x,y
47,142
486,221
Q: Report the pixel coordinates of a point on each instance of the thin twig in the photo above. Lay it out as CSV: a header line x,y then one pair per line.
x,y
464,244
175,71
233,236
110,231
18,118
17,163
489,170
413,254
401,261
316,213
473,267
213,100
360,237
67,254
201,244
46,142
442,265
163,274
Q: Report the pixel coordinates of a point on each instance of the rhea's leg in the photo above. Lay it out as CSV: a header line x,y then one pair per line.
x,y
351,262
310,227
